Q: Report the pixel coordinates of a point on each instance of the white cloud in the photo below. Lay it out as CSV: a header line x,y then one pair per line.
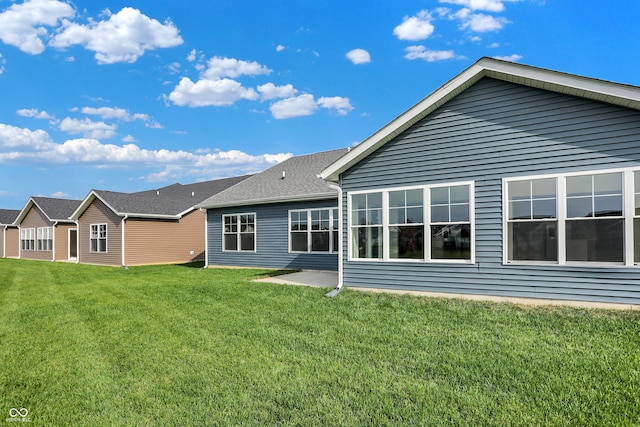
x,y
486,5
341,105
421,52
210,93
280,48
359,56
271,91
129,138
34,113
192,55
479,22
219,67
23,25
512,58
25,145
115,113
302,105
123,37
416,27
87,128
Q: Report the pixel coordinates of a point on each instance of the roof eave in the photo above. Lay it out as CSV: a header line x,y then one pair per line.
x,y
271,200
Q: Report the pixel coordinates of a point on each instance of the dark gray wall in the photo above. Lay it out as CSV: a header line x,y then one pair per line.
x,y
491,131
272,244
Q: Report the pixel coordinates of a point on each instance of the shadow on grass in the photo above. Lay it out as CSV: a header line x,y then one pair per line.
x,y
193,264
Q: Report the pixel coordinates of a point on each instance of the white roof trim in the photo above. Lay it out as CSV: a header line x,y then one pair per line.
x,y
585,87
284,199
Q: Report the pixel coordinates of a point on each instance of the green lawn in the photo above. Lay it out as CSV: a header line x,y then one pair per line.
x,y
173,345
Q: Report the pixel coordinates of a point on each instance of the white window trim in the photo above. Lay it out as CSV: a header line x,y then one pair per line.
x,y
106,239
28,234
332,211
255,233
426,221
628,208
44,234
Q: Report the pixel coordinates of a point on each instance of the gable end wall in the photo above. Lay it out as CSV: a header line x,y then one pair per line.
x,y
491,131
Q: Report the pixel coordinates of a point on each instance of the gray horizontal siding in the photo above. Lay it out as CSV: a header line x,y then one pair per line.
x,y
491,131
272,239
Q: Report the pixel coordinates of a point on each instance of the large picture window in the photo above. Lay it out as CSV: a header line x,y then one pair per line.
x,y
239,233
574,218
392,224
28,239
98,238
45,238
313,230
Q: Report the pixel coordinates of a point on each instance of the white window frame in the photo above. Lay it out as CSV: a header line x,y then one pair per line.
x,y
44,242
97,236
427,223
238,233
28,235
628,211
333,227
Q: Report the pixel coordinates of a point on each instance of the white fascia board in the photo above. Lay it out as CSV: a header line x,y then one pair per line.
x,y
87,202
284,199
148,216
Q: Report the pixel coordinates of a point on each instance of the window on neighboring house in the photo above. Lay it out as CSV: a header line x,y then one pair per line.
x,y
28,239
450,223
313,230
532,233
391,224
98,238
366,225
574,218
45,238
636,216
239,234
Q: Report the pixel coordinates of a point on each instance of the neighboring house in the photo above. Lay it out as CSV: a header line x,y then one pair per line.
x,y
284,217
158,226
508,180
9,234
46,232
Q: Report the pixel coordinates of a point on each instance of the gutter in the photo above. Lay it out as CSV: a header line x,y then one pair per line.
x,y
124,221
338,288
206,237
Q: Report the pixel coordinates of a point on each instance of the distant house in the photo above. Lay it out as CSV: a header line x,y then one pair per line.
x,y
46,232
9,234
158,226
284,217
508,180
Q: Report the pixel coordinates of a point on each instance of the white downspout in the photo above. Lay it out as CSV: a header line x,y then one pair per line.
x,y
338,288
124,220
206,237
53,250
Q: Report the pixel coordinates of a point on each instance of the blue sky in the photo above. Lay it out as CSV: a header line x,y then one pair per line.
x,y
141,94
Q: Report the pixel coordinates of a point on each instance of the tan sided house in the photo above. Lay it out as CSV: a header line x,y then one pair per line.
x,y
9,234
160,226
46,232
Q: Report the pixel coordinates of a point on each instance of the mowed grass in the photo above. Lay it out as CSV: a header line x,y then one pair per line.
x,y
173,345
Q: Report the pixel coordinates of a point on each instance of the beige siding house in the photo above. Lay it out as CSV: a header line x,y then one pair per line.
x,y
8,233
45,231
160,226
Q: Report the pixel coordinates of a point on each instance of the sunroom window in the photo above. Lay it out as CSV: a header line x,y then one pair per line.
x,y
366,225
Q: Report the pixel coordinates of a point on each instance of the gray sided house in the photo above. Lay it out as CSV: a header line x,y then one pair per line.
x,y
9,234
45,230
508,180
284,217
160,226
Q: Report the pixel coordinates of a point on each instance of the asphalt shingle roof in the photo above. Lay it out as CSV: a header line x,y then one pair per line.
x,y
8,216
56,209
166,201
294,179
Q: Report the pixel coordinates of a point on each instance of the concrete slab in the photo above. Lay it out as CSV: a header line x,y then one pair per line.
x,y
320,279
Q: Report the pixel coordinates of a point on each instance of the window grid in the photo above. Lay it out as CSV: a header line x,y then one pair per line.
x,y
98,238
45,238
313,230
239,233
28,239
